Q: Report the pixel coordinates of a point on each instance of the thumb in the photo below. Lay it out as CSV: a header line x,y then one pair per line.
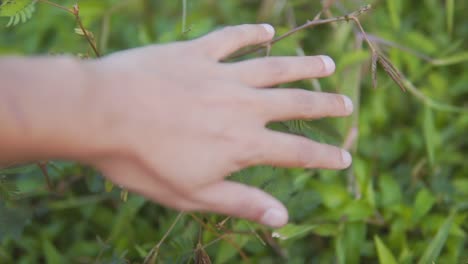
x,y
239,200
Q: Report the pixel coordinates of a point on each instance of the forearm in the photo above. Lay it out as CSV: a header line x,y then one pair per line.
x,y
46,109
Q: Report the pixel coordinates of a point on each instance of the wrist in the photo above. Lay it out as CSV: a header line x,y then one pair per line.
x,y
50,109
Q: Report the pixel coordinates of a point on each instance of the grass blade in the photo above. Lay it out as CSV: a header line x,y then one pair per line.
x,y
385,255
392,71
450,8
432,252
375,58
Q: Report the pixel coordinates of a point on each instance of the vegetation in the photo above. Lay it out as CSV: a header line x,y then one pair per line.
x,y
404,200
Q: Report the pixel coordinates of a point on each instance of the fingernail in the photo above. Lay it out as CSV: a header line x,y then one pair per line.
x,y
328,63
269,28
346,157
274,217
348,104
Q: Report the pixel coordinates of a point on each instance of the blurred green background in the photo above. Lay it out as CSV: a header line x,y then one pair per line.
x,y
404,200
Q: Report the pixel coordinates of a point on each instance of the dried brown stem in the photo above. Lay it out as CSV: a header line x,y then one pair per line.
x,y
43,167
153,254
228,240
76,13
309,24
57,6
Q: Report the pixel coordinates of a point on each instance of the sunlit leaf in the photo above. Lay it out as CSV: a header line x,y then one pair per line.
x,y
423,203
385,255
432,252
293,231
17,10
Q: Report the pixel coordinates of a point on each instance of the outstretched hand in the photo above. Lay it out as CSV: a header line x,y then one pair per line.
x,y
179,121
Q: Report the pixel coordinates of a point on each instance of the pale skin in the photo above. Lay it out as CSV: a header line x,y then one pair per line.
x,y
171,122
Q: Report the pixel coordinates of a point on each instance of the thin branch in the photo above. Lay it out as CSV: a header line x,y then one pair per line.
x,y
153,254
385,42
309,24
76,13
229,241
57,6
431,102
43,167
371,46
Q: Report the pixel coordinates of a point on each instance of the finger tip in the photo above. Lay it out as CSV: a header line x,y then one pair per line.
x,y
270,29
348,104
275,217
346,158
328,63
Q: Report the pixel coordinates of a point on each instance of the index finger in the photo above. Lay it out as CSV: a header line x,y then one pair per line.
x,y
221,43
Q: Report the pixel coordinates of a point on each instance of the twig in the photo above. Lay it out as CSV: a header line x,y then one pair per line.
x,y
229,241
385,42
43,167
76,13
57,6
153,254
309,24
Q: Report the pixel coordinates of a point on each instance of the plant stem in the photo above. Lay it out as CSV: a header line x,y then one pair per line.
x,y
57,6
309,24
76,13
43,167
229,241
153,254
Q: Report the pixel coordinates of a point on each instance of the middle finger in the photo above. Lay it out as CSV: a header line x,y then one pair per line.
x,y
271,71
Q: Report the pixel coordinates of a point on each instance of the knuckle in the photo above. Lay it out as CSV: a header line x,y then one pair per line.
x,y
184,206
302,154
247,152
243,101
239,32
302,101
277,69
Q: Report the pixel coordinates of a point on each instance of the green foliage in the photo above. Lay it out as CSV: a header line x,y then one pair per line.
x,y
403,201
385,255
17,10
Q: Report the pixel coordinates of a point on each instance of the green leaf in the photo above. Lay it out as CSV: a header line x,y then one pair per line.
x,y
19,170
333,195
432,252
394,10
108,185
423,204
453,59
357,210
390,190
352,58
326,230
51,253
290,231
430,134
17,10
8,189
226,251
450,9
385,255
12,221
127,213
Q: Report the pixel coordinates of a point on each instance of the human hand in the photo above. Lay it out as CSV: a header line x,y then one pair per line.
x,y
179,121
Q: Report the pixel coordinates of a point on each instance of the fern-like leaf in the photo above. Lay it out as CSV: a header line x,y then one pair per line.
x,y
8,189
17,10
